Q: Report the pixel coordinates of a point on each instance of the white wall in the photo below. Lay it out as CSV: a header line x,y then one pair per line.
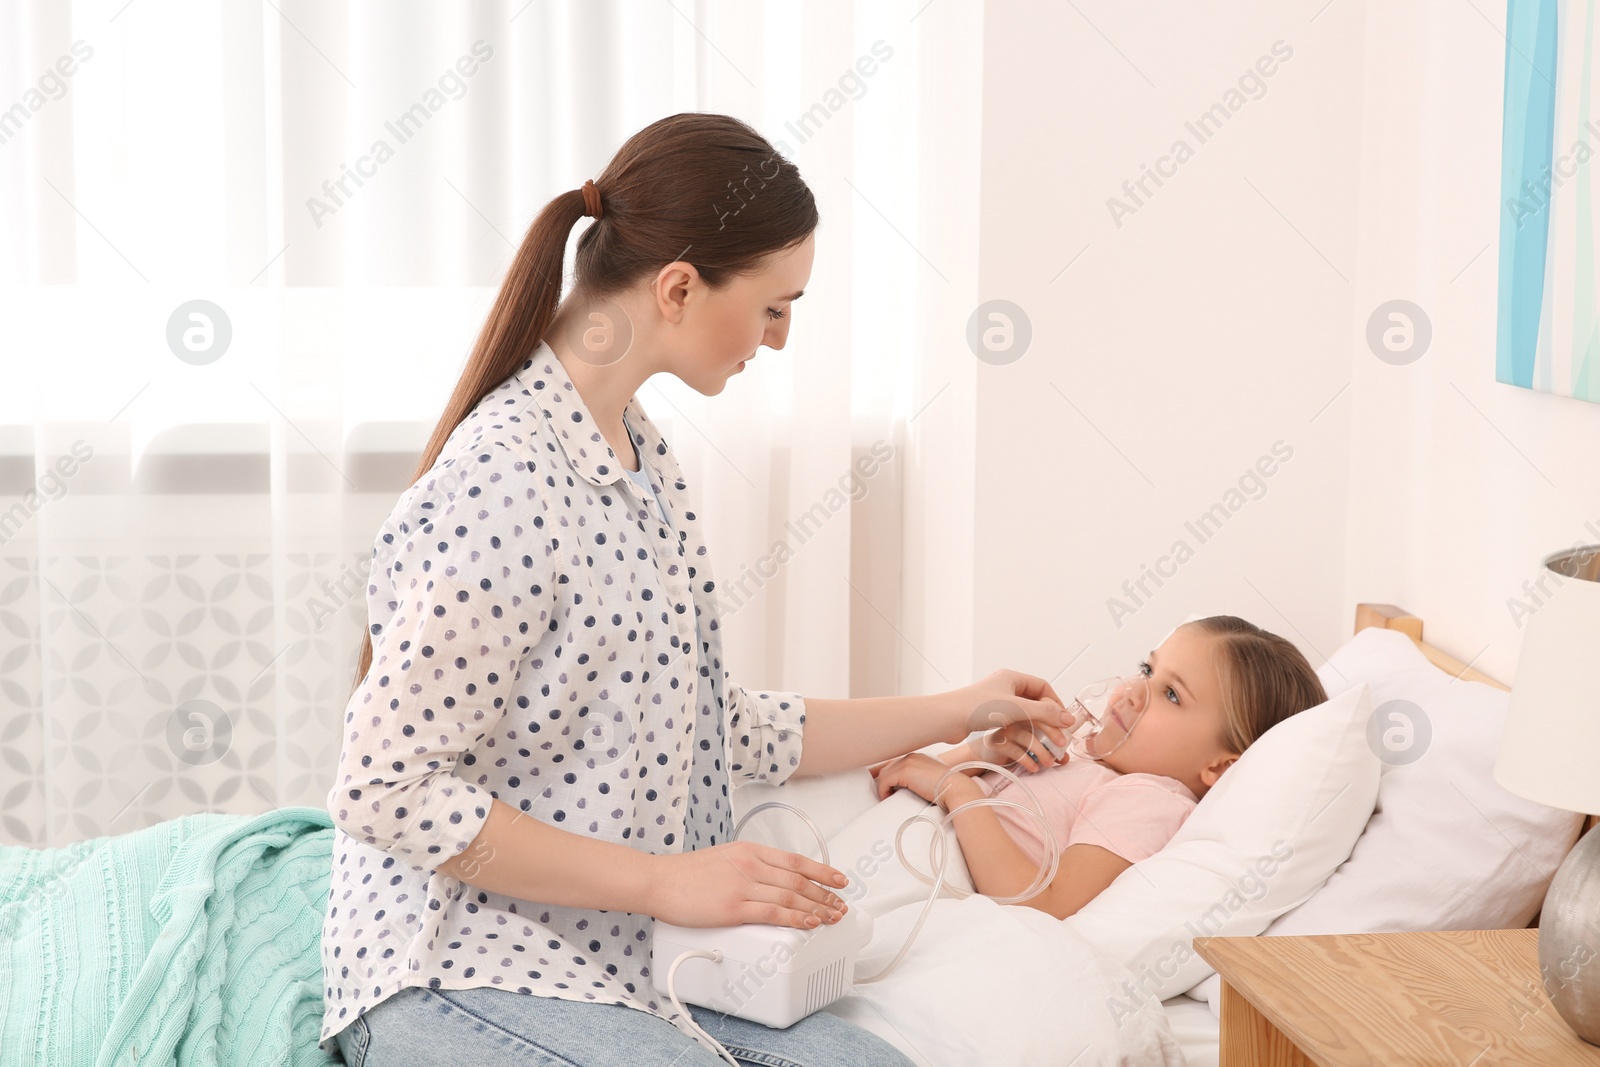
x,y
1227,312
1460,485
1215,321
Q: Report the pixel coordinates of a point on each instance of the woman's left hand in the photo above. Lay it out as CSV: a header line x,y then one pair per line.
x,y
1006,697
920,773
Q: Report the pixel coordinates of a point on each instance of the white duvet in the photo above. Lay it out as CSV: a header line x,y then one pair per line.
x,y
983,983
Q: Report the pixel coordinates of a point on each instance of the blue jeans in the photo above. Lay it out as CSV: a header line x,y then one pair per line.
x,y
489,1027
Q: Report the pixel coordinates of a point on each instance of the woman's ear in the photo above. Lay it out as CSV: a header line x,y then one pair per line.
x,y
672,289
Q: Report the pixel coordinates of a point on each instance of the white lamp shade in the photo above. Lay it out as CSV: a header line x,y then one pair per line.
x,y
1551,749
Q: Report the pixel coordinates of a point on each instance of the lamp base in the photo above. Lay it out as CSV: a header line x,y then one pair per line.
x,y
1569,938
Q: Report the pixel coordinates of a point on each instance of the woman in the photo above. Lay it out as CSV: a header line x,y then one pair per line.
x,y
536,760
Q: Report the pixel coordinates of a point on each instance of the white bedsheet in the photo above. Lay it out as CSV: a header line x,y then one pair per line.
x,y
986,983
864,849
983,983
1198,1031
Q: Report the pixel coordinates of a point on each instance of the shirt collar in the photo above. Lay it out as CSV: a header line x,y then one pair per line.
x,y
588,453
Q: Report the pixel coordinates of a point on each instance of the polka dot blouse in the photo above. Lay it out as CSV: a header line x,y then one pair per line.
x,y
544,634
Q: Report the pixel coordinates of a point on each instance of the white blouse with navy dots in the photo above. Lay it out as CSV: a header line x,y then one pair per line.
x,y
532,636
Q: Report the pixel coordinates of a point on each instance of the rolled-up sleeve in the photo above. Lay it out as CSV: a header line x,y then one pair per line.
x,y
766,729
465,597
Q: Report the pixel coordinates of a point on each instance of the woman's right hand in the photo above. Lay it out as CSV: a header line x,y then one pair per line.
x,y
743,882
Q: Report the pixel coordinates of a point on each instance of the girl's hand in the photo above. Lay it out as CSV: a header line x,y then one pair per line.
x,y
1014,742
744,882
916,771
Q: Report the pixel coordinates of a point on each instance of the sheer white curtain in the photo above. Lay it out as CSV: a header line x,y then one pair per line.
x,y
246,248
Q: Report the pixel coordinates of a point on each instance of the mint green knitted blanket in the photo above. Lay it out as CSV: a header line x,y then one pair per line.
x,y
196,941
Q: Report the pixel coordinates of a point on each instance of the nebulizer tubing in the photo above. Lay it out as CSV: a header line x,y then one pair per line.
x,y
1094,720
1079,745
1047,873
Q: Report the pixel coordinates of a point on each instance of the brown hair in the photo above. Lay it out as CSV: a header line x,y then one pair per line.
x,y
699,187
1265,679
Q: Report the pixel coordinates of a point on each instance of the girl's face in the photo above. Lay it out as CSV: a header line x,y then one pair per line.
x,y
1178,734
710,333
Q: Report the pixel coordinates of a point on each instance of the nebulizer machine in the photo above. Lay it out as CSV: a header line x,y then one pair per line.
x,y
777,975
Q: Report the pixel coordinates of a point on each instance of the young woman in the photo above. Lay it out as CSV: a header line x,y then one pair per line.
x,y
536,760
1211,690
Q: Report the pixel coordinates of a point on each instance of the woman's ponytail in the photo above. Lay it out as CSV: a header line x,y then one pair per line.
x,y
522,312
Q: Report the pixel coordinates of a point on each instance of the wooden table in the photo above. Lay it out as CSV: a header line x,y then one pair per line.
x,y
1460,998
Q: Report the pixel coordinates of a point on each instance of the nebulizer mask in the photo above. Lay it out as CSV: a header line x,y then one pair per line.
x,y
777,975
1106,712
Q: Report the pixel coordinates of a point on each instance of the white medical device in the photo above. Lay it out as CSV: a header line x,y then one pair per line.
x,y
769,974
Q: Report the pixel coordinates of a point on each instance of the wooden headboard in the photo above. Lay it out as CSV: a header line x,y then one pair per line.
x,y
1389,617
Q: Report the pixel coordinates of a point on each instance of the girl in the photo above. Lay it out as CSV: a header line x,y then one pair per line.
x,y
536,760
1213,687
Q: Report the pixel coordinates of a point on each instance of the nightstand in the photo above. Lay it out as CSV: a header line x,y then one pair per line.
x,y
1464,998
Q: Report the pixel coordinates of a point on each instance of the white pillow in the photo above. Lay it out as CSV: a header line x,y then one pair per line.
x,y
1447,848
1273,828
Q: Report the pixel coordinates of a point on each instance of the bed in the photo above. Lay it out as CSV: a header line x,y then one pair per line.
x,y
1467,887
1195,1025
197,939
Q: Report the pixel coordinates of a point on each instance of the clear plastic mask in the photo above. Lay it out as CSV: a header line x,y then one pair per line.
x,y
1107,712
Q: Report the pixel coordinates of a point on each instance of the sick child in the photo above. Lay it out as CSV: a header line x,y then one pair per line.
x,y
1211,689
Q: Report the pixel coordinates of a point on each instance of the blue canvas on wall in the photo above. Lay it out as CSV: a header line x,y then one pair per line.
x,y
1548,336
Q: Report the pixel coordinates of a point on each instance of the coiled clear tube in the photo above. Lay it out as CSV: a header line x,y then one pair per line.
x,y
1046,874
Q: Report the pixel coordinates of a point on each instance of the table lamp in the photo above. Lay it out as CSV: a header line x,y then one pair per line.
x,y
1550,754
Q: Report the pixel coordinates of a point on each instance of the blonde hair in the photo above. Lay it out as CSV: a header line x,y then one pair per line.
x,y
1265,679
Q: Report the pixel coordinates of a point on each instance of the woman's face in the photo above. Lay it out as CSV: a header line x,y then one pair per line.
x,y
1178,734
710,333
